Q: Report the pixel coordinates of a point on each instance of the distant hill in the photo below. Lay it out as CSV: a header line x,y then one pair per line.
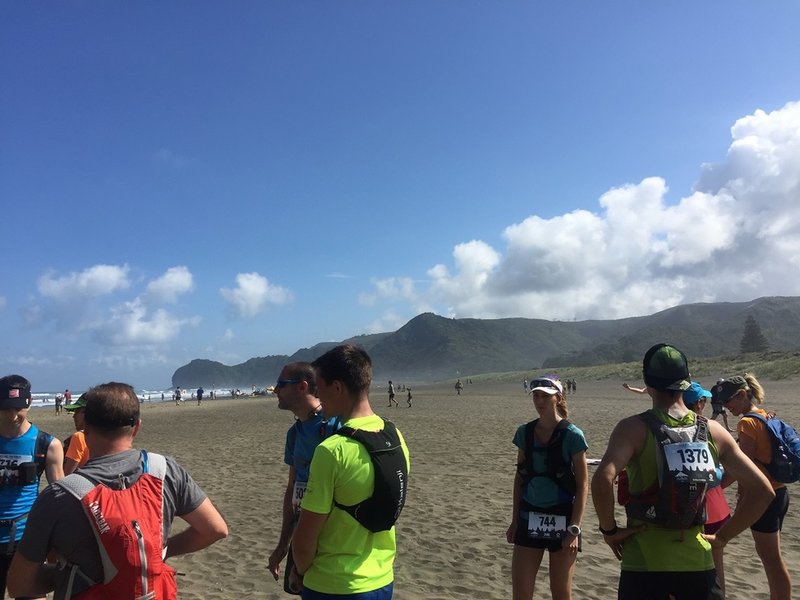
x,y
433,348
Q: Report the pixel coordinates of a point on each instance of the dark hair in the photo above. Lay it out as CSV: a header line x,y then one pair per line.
x,y
111,406
302,371
346,363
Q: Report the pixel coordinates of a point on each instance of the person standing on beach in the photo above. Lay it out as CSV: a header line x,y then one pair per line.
x,y
719,408
663,549
67,397
338,556
76,452
296,389
115,478
717,510
391,395
200,392
550,491
742,395
25,453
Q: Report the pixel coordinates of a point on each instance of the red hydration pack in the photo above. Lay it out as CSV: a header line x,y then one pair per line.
x,y
127,524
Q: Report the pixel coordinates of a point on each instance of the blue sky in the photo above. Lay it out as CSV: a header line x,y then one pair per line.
x,y
227,180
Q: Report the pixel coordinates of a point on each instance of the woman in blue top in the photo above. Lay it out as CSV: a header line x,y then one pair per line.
x,y
550,491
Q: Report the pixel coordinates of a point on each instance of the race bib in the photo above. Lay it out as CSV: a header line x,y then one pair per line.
x,y
546,526
299,492
692,459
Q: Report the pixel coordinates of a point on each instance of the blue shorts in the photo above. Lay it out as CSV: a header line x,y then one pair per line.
x,y
384,593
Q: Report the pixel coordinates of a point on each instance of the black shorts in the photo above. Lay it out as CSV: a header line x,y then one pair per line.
x,y
693,585
5,563
523,538
772,519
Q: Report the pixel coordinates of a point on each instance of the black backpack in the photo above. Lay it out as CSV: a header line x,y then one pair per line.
x,y
677,500
380,511
558,470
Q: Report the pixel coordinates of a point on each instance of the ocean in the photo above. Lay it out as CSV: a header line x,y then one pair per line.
x,y
48,399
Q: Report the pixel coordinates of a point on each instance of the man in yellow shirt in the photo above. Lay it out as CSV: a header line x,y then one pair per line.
x,y
338,555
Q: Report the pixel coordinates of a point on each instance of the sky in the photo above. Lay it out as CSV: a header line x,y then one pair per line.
x,y
220,180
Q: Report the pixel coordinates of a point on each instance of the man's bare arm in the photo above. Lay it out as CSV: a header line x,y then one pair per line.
x,y
206,526
304,542
54,462
287,526
28,578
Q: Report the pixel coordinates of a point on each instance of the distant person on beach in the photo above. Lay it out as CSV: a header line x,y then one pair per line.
x,y
341,551
25,453
120,484
391,395
178,398
76,452
67,397
409,398
551,486
742,395
719,408
59,402
525,385
459,387
200,392
296,389
663,549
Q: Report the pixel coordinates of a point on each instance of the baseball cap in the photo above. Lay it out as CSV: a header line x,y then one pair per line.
x,y
726,388
14,397
79,403
665,368
694,393
548,385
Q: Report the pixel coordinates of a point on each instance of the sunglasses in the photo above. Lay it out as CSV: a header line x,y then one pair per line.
x,y
282,383
731,397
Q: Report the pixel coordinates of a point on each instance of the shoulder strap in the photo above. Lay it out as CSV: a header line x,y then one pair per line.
x,y
756,415
43,441
76,484
154,464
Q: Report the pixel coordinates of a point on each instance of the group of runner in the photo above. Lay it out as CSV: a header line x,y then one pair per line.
x,y
670,465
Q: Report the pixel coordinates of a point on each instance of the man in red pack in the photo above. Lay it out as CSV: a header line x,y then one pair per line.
x,y
120,491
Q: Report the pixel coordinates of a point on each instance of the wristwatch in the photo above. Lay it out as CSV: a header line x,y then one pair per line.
x,y
574,530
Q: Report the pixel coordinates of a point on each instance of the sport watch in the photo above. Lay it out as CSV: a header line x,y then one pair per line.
x,y
574,530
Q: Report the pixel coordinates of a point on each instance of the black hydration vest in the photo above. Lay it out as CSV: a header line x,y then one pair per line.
x,y
380,511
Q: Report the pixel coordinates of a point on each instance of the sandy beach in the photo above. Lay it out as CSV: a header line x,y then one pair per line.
x,y
451,535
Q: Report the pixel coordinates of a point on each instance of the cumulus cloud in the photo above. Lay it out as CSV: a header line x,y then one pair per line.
x,y
253,293
399,288
98,280
174,282
132,324
735,236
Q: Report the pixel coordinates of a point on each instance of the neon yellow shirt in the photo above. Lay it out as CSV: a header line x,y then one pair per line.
x,y
349,559
657,549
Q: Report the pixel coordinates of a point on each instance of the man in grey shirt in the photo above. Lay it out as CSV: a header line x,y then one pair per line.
x,y
59,522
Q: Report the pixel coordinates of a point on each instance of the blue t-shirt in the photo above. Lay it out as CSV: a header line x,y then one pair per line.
x,y
302,439
541,491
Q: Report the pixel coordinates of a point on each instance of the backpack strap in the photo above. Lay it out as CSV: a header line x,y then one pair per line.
x,y
43,441
154,464
556,468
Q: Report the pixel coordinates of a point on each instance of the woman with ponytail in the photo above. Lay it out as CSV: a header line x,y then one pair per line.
x,y
550,492
742,395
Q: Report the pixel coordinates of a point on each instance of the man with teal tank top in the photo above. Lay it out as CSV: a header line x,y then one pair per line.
x,y
663,551
296,389
25,453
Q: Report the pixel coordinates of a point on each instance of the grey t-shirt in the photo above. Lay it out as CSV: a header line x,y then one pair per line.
x,y
57,519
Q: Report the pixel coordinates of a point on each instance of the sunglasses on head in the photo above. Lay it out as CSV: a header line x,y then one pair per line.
x,y
546,383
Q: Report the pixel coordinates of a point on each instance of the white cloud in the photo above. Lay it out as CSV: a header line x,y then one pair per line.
x,y
397,288
736,236
174,282
99,280
131,324
252,294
